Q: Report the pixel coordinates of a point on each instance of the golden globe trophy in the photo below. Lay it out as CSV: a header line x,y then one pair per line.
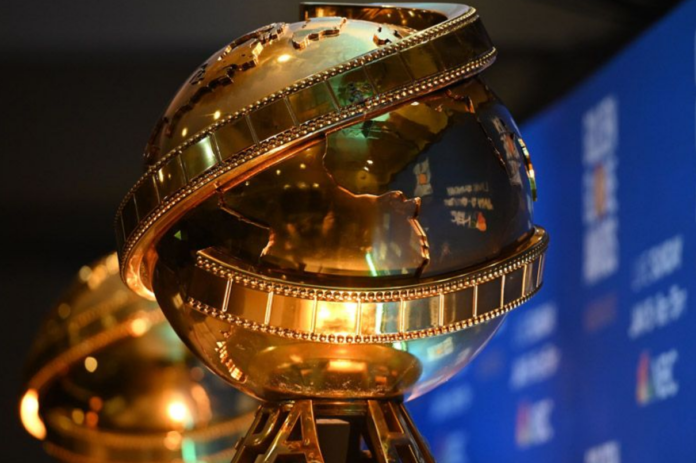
x,y
109,382
335,216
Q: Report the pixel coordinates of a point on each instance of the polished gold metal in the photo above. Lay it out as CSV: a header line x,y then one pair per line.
x,y
109,382
138,226
335,216
424,309
287,430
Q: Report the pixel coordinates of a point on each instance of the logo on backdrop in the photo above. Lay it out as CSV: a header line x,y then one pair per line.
x,y
657,311
658,262
655,377
600,185
533,425
535,366
608,452
661,308
535,324
453,448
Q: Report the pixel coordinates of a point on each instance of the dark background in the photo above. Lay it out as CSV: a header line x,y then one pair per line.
x,y
84,81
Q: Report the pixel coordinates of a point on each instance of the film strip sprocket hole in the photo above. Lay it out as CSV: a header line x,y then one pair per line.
x,y
464,48
362,315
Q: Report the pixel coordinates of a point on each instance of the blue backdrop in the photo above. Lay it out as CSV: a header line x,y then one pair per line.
x,y
600,367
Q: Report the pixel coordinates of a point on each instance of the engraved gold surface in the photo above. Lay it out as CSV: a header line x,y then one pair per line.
x,y
390,342
239,296
343,217
109,382
395,217
352,91
275,364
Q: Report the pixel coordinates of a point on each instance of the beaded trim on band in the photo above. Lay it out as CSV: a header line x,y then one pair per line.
x,y
234,141
387,315
126,328
88,336
409,50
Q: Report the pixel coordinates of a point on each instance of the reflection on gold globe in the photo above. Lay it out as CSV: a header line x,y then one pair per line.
x,y
110,382
337,209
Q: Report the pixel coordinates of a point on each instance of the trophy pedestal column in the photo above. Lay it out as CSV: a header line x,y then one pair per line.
x,y
333,431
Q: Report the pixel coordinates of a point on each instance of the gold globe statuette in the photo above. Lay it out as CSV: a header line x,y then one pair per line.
x,y
335,216
110,382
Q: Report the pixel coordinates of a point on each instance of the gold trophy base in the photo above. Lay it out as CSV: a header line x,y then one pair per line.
x,y
333,431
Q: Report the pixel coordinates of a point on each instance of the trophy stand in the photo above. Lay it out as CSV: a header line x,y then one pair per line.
x,y
328,431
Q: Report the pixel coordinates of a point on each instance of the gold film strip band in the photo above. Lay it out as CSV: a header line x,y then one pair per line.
x,y
416,65
88,334
72,441
124,327
379,315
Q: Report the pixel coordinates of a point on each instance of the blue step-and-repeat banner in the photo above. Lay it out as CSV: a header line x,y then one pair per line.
x,y
600,367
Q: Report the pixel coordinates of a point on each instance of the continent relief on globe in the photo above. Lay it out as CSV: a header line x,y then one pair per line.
x,y
258,64
420,190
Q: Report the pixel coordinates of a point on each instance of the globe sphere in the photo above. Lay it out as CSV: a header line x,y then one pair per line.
x,y
108,380
342,208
